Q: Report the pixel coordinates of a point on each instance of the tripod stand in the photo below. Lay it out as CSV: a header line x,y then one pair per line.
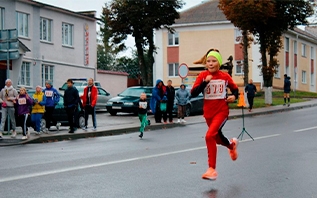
x,y
243,127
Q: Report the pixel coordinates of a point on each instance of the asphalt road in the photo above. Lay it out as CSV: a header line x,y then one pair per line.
x,y
281,162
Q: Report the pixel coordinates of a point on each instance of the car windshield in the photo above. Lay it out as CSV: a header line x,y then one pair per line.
x,y
136,92
76,84
80,89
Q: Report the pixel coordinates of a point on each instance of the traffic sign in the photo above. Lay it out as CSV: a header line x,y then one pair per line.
x,y
183,70
8,35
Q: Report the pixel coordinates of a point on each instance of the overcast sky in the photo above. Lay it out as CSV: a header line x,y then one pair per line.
x,y
96,5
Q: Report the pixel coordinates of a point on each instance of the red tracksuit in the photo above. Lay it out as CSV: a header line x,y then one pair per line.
x,y
216,109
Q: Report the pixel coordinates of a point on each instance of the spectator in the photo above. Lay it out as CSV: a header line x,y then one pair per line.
x,y
89,98
71,101
7,96
287,89
170,100
23,103
158,97
250,89
182,98
38,109
143,107
52,98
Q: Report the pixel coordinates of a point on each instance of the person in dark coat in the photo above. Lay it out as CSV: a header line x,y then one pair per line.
x,y
287,89
170,100
71,101
158,97
250,89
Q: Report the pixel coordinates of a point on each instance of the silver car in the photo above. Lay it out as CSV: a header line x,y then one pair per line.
x,y
103,97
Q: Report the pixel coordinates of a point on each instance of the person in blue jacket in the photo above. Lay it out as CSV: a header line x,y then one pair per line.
x,y
287,89
158,96
52,98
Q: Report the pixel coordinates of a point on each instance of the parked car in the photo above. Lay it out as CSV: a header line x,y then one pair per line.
x,y
128,100
60,114
194,106
79,82
103,97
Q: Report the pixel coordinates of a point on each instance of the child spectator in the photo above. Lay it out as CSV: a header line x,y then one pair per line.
x,y
143,108
23,103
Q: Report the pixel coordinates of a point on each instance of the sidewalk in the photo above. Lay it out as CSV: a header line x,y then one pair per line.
x,y
129,127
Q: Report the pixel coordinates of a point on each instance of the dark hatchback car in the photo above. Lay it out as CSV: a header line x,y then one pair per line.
x,y
194,106
128,100
60,114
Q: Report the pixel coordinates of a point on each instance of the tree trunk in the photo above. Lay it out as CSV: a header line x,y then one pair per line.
x,y
245,57
150,59
140,52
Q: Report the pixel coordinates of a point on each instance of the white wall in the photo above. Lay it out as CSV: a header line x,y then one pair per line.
x,y
112,83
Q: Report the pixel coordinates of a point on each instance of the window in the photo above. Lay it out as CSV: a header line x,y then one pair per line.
x,y
173,69
237,36
277,72
304,77
1,18
25,78
286,44
287,71
47,74
67,34
295,47
312,53
304,50
23,24
239,67
312,80
45,30
173,39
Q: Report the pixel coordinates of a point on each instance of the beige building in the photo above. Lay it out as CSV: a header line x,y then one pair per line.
x,y
204,26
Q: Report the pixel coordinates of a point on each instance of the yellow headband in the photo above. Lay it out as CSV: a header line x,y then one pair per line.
x,y
216,55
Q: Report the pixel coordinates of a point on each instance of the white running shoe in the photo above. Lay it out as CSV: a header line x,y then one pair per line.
x,y
14,134
183,121
178,121
24,138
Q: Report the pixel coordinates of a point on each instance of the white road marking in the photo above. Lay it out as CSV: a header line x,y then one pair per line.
x,y
306,129
52,172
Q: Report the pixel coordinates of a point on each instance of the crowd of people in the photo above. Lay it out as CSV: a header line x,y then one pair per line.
x,y
18,106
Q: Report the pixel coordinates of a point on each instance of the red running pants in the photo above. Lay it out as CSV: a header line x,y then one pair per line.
x,y
215,136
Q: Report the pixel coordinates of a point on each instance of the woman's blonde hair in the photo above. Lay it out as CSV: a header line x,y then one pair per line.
x,y
22,88
203,60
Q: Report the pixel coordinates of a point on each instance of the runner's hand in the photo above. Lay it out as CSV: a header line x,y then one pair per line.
x,y
231,98
208,78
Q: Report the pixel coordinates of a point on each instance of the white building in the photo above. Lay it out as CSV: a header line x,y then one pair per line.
x,y
55,43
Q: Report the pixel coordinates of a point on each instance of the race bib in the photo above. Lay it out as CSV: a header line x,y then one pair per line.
x,y
216,89
22,101
143,104
49,93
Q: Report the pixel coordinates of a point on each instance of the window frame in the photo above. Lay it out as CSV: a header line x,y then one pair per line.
x,y
304,77
295,47
24,69
70,35
51,69
175,69
26,31
49,26
2,15
278,73
303,50
174,36
236,65
286,45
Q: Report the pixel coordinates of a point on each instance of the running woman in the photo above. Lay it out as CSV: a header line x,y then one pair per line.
x,y
213,83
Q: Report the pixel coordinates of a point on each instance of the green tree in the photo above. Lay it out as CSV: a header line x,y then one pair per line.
x,y
105,59
139,18
268,20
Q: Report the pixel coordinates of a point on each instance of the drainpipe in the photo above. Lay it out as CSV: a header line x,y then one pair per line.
x,y
295,73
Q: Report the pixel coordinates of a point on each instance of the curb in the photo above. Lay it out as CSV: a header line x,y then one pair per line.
x,y
120,131
74,136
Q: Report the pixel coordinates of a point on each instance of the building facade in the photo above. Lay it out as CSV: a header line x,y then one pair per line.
x,y
204,26
58,43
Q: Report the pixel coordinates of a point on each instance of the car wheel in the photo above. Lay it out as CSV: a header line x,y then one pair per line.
x,y
188,110
113,113
43,124
81,121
